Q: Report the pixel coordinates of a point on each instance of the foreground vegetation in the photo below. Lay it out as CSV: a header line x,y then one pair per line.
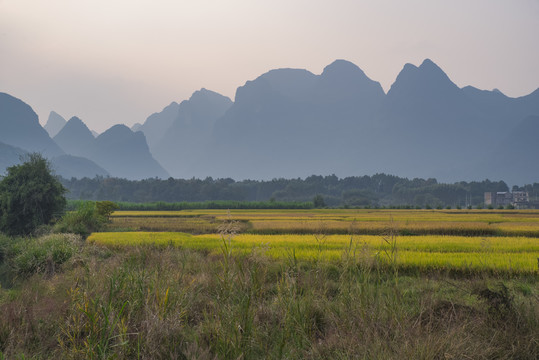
x,y
162,302
278,284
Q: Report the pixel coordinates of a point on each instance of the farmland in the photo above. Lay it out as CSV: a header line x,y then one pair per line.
x,y
281,284
338,221
455,240
426,239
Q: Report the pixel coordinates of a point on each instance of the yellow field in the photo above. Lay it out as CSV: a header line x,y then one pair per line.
x,y
464,240
502,254
338,221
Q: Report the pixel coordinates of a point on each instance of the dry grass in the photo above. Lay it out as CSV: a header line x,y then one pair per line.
x,y
162,303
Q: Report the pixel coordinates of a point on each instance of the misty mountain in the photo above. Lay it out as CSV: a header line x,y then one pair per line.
x,y
54,124
181,147
429,125
75,138
117,152
66,166
515,156
9,156
432,128
19,127
157,124
293,123
499,107
124,153
290,122
69,166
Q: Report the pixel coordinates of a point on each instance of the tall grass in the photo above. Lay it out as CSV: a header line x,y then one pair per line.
x,y
21,257
167,302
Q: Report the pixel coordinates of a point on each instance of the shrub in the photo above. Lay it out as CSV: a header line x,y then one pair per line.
x,y
6,244
42,255
85,220
105,208
318,201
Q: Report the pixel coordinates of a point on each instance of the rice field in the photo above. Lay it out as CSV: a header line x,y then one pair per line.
x,y
515,255
337,221
495,241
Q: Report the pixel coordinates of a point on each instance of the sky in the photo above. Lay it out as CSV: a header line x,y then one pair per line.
x,y
118,61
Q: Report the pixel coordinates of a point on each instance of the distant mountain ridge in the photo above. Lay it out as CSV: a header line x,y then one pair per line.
x,y
292,123
54,124
74,152
190,132
75,138
118,151
19,127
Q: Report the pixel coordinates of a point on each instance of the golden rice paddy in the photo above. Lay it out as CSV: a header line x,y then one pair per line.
x,y
338,221
425,240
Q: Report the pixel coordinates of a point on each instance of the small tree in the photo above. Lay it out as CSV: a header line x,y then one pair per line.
x,y
318,201
30,196
105,209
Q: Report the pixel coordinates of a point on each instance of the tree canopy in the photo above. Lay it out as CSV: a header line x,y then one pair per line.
x,y
30,196
375,190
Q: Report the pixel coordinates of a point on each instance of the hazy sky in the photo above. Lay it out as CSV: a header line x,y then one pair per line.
x,y
118,61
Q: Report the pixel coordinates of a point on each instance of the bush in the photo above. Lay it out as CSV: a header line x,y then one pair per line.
x,y
106,208
84,221
6,244
318,201
42,255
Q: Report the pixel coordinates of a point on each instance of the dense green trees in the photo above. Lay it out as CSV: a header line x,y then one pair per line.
x,y
370,191
30,196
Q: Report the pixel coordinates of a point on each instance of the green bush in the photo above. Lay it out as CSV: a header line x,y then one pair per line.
x,y
105,208
6,245
85,220
42,255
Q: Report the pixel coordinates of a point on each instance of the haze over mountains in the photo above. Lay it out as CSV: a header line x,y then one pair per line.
x,y
54,124
293,123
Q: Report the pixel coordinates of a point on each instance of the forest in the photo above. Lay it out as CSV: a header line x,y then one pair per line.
x,y
379,190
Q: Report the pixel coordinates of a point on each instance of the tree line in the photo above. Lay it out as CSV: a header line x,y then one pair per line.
x,y
379,190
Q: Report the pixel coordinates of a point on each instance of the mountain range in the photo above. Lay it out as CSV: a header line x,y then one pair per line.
x,y
74,151
293,123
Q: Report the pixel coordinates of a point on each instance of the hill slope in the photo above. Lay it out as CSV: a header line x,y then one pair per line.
x,y
19,127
